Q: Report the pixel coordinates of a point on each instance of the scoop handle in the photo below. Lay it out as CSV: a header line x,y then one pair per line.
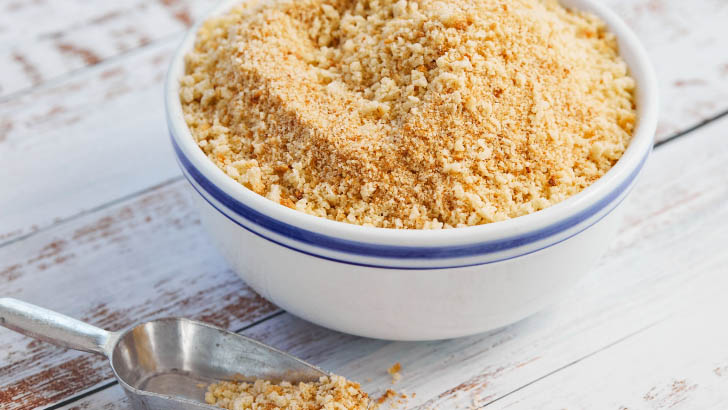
x,y
53,327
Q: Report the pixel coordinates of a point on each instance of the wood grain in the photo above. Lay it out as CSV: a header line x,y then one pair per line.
x,y
681,363
134,261
70,147
42,40
686,43
644,282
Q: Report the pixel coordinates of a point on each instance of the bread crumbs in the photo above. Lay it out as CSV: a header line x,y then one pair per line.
x,y
417,114
394,371
328,393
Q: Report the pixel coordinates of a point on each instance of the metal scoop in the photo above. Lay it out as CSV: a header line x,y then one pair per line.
x,y
165,363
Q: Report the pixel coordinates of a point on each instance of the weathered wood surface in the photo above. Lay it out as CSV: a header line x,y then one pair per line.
x,y
42,40
686,43
94,222
640,331
146,257
84,142
680,363
99,135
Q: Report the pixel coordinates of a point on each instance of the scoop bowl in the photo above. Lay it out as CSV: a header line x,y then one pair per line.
x,y
165,363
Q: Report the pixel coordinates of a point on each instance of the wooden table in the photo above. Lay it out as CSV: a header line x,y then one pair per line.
x,y
97,222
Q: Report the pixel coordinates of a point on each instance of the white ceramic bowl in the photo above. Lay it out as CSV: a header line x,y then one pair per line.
x,y
415,284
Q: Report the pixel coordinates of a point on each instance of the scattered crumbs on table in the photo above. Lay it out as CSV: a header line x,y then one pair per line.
x,y
394,371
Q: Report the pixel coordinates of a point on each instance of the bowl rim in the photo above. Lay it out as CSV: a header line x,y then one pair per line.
x,y
539,224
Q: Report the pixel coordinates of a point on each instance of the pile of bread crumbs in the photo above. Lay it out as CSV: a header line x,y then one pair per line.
x,y
328,393
411,113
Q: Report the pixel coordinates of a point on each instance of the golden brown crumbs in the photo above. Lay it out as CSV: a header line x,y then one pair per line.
x,y
394,372
329,393
387,395
392,398
411,113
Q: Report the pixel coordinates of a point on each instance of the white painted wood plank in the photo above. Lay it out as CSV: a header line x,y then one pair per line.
x,y
87,141
138,260
686,43
41,40
644,282
100,135
681,363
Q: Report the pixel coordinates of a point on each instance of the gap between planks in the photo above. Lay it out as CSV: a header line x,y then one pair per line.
x,y
117,201
566,366
689,130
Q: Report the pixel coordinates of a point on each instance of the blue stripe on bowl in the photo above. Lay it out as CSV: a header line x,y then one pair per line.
x,y
392,251
367,265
